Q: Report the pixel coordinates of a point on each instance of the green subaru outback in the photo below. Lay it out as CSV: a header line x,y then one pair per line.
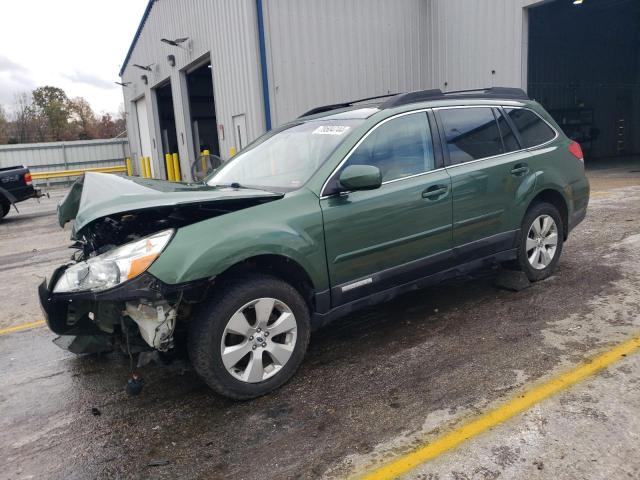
x,y
345,207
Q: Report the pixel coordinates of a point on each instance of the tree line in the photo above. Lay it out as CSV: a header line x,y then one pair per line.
x,y
47,115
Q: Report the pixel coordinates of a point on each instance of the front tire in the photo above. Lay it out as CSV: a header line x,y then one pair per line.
x,y
541,241
251,337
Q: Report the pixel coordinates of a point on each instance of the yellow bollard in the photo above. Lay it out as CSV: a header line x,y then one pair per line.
x,y
169,161
177,176
143,171
232,152
203,160
127,162
147,166
145,174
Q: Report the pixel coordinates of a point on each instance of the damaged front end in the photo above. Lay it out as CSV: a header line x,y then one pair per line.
x,y
135,316
105,298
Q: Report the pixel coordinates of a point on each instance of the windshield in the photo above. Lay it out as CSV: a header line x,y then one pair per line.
x,y
286,158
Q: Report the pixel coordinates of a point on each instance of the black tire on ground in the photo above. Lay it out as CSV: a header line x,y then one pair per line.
x,y
4,209
210,320
535,211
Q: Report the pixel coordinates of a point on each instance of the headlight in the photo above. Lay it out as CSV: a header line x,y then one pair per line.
x,y
115,266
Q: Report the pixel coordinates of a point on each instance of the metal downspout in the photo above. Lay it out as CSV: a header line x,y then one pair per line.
x,y
263,65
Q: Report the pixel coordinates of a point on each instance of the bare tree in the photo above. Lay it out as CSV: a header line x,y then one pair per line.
x,y
24,121
47,114
4,127
83,118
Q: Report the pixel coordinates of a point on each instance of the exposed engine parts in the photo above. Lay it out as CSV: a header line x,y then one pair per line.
x,y
156,322
109,232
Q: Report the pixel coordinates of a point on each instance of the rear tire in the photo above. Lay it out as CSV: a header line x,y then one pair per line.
x,y
4,209
250,338
541,241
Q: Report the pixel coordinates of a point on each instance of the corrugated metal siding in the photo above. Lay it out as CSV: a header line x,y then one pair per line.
x,y
326,51
224,29
473,38
65,155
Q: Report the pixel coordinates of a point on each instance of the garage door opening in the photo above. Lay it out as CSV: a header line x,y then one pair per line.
x,y
203,118
167,121
584,67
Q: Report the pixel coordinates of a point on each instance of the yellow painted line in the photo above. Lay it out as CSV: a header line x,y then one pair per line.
x,y
600,194
21,327
500,414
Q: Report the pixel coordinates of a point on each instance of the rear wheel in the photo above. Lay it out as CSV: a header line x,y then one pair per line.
x,y
251,337
4,209
541,241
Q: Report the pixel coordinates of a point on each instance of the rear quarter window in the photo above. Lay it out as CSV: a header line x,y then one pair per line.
x,y
533,130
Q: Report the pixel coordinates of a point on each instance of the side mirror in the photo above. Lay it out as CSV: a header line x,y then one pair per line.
x,y
360,177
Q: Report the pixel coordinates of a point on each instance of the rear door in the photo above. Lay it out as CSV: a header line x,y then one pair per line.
x,y
382,238
487,168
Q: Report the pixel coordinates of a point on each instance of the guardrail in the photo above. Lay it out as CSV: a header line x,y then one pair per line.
x,y
76,172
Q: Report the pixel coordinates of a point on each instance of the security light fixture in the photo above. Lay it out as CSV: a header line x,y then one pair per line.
x,y
144,67
171,60
174,43
125,84
144,79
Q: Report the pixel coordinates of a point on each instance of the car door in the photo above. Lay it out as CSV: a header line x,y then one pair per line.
x,y
381,238
487,169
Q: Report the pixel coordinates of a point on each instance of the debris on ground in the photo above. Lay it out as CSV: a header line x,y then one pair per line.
x,y
134,385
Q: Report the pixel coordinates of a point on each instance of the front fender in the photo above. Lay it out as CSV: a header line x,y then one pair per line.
x,y
289,227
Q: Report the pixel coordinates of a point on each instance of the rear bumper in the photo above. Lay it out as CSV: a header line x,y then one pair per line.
x,y
581,193
577,217
25,193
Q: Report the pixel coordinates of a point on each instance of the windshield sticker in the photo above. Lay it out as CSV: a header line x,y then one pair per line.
x,y
331,130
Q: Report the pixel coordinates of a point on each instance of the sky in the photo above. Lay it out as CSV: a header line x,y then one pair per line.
x,y
77,45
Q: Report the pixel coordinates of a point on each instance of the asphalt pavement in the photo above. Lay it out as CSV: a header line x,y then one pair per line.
x,y
373,387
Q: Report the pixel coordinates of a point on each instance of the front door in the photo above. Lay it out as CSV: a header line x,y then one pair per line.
x,y
401,231
487,169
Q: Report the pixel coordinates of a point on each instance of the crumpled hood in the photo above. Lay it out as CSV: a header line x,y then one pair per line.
x,y
98,195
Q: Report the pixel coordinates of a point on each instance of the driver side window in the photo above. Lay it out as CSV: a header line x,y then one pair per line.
x,y
400,147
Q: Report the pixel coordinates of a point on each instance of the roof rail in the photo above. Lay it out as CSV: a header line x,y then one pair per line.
x,y
335,106
435,94
398,99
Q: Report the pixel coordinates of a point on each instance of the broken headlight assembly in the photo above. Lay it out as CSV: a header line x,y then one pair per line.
x,y
115,266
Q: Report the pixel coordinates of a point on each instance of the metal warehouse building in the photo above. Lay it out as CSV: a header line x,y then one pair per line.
x,y
215,74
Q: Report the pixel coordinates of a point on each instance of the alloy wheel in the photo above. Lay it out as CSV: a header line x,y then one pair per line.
x,y
259,340
542,242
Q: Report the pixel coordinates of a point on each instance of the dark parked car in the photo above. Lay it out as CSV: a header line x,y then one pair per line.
x,y
15,186
345,207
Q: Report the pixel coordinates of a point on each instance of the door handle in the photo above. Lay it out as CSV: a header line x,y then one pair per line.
x,y
520,169
435,191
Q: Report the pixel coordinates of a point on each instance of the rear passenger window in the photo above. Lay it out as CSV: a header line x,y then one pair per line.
x,y
471,133
508,137
400,148
533,130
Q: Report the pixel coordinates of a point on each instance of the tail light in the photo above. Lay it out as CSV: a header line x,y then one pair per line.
x,y
27,178
576,151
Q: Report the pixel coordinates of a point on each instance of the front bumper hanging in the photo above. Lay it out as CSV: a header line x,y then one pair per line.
x,y
56,307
